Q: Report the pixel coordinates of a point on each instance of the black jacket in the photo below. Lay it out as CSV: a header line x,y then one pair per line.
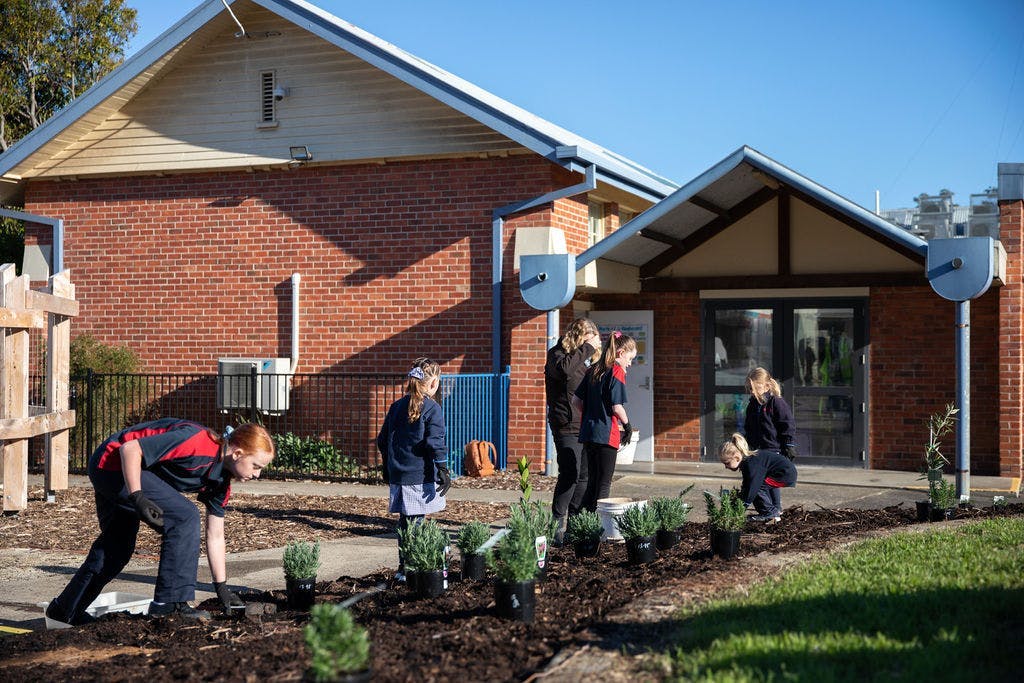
x,y
563,372
769,425
765,464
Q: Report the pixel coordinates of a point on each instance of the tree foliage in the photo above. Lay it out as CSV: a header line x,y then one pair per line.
x,y
53,50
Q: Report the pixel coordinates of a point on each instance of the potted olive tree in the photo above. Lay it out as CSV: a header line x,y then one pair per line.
x,y
514,562
584,531
424,554
301,561
469,539
939,425
638,525
726,517
671,514
339,647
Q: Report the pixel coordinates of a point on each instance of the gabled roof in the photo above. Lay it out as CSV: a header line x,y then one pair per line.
x,y
544,138
723,194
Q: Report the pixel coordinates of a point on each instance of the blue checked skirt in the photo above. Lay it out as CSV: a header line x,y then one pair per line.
x,y
415,499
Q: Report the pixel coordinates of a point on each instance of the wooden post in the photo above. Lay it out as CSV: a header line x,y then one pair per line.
x,y
14,346
58,369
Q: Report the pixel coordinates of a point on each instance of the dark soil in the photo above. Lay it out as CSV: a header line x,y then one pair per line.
x,y
454,637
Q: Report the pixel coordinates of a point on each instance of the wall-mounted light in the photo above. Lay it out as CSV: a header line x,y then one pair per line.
x,y
300,154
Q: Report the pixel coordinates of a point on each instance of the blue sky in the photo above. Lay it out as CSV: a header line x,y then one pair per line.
x,y
902,97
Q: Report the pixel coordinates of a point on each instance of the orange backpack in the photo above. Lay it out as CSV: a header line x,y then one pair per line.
x,y
480,458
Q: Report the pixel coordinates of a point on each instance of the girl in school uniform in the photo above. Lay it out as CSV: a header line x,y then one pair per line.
x,y
600,399
764,473
769,421
140,474
413,450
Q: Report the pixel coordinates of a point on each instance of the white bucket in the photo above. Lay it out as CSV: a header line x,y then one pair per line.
x,y
115,601
624,456
608,508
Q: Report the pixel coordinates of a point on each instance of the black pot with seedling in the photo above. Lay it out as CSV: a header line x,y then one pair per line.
x,y
726,516
638,525
533,518
942,495
301,561
339,647
671,514
939,425
468,540
514,563
424,556
584,531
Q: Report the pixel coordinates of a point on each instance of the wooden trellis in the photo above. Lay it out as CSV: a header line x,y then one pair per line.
x,y
23,309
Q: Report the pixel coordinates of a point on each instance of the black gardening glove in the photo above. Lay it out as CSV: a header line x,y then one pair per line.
x,y
789,450
228,598
149,512
627,434
444,480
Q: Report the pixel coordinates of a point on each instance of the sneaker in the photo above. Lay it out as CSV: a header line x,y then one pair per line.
x,y
771,517
400,577
182,609
56,613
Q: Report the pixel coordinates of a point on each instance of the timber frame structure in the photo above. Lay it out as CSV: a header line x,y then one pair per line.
x,y
23,309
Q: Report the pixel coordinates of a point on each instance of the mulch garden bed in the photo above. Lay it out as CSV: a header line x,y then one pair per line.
x,y
453,637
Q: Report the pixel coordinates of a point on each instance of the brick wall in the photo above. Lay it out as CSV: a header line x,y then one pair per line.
x,y
1011,341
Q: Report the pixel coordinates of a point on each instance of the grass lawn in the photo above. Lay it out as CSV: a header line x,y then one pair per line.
x,y
939,606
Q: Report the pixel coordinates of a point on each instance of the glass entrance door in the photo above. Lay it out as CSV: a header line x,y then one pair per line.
x,y
817,351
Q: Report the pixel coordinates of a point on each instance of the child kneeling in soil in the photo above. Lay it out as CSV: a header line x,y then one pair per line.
x,y
764,473
139,474
413,451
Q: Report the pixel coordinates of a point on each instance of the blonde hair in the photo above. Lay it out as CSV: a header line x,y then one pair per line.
x,y
616,341
762,376
578,330
736,445
417,387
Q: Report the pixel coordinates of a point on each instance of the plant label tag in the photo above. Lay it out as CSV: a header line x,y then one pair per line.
x,y
541,546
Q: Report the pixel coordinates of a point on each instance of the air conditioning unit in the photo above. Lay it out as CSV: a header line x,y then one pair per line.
x,y
273,384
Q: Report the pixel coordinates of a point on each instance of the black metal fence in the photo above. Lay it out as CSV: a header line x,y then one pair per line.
x,y
324,425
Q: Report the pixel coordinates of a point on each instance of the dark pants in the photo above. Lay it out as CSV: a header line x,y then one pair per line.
x,y
769,500
600,470
119,526
571,486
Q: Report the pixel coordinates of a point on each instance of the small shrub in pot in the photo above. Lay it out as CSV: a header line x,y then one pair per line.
x,y
671,513
468,540
424,554
584,531
638,525
726,517
339,647
301,561
514,562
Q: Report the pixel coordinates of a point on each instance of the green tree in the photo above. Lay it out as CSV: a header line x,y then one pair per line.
x,y
50,52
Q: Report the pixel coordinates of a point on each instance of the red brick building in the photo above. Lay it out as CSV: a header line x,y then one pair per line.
x,y
401,195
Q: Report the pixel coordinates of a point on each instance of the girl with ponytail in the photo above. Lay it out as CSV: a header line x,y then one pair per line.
x,y
764,473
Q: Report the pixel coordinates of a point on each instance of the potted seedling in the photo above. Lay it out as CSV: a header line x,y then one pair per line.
x,y
469,539
514,562
726,517
939,425
671,514
942,496
339,647
584,530
301,562
425,555
638,525
534,519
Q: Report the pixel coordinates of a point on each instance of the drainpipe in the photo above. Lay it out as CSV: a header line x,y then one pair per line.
x,y
497,264
295,323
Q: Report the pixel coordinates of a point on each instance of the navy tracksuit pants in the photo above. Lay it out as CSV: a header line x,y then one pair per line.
x,y
119,526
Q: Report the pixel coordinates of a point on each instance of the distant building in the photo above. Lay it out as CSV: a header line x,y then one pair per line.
x,y
938,216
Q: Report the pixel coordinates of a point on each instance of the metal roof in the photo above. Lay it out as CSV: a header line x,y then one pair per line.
x,y
728,187
543,137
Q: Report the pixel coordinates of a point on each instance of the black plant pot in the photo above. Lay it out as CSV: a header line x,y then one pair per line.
x,y
412,580
668,538
641,549
942,514
300,592
474,567
515,600
725,544
924,510
587,548
430,583
355,677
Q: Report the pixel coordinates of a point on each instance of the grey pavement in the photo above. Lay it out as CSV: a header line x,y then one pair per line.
x,y
31,577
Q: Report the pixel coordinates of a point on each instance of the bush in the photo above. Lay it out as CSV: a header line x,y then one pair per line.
x,y
301,560
338,644
729,514
584,527
310,455
532,518
942,494
423,546
636,521
471,536
670,512
515,557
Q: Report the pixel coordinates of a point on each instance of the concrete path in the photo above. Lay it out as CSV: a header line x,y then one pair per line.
x,y
30,577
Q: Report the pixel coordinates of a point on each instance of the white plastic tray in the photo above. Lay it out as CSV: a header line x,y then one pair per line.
x,y
114,601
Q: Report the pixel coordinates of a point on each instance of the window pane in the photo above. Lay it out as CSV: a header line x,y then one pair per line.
x,y
825,425
743,342
727,418
823,345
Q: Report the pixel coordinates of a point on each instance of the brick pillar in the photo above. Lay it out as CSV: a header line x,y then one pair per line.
x,y
1011,341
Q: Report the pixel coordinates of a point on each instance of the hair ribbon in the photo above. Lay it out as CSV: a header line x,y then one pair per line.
x,y
617,334
416,373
